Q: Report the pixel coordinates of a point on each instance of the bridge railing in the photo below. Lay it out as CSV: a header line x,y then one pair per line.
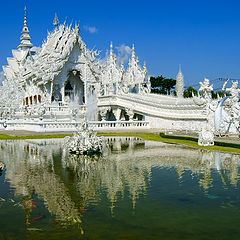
x,y
42,126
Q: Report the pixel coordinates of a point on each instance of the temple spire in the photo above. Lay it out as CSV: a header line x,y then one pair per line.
x,y
25,37
180,83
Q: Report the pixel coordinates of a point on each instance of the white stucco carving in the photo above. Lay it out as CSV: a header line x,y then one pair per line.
x,y
206,136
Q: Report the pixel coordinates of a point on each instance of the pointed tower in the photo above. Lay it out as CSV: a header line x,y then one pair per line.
x,y
25,37
180,83
133,60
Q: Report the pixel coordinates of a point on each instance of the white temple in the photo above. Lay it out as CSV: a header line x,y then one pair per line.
x,y
57,86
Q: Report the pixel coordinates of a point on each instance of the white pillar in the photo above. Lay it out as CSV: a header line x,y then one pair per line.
x,y
85,83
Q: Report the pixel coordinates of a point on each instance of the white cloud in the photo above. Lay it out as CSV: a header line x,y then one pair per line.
x,y
91,29
123,53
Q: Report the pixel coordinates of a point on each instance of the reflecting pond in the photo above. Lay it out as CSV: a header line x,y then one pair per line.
x,y
135,190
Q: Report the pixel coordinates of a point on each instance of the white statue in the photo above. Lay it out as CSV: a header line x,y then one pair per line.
x,y
41,111
206,136
227,116
234,90
206,89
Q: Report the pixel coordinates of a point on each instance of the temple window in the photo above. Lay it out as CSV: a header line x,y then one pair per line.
x,y
68,89
39,99
35,99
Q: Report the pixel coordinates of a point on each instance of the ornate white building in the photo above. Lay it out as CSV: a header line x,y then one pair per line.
x,y
57,86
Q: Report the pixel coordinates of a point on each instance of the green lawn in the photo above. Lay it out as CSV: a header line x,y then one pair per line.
x,y
235,148
13,137
186,142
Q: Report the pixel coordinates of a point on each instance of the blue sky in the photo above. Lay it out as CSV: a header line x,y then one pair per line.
x,y
204,36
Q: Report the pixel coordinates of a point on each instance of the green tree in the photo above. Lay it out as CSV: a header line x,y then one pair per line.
x,y
189,92
217,94
162,85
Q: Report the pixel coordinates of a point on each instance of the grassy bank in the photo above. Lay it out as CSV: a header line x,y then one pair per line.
x,y
14,137
190,142
187,141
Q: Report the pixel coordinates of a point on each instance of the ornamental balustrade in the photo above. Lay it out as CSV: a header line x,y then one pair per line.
x,y
42,126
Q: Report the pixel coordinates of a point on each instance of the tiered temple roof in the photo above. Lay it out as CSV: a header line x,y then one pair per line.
x,y
135,74
31,67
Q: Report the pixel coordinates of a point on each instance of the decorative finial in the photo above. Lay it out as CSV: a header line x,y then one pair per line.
x,y
111,49
180,68
25,13
56,21
145,70
78,27
133,51
25,37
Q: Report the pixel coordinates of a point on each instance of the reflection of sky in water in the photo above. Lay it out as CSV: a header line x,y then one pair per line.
x,y
45,185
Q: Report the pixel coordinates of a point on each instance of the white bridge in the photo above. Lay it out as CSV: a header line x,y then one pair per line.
x,y
161,111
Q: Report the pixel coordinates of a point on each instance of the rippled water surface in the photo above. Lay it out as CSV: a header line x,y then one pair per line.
x,y
136,190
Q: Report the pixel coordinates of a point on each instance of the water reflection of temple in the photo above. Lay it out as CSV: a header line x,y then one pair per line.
x,y
69,184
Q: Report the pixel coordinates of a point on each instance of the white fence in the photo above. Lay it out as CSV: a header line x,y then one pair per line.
x,y
42,126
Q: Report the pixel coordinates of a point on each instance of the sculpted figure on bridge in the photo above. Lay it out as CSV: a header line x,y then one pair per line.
x,y
227,116
206,135
234,91
233,101
206,89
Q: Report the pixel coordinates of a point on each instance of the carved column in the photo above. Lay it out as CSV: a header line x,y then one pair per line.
x,y
63,93
85,83
105,90
130,113
117,86
103,113
117,113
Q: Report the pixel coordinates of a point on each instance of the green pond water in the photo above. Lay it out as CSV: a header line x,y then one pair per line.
x,y
136,190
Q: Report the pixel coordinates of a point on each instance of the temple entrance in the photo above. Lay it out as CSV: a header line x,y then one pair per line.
x,y
74,89
69,90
